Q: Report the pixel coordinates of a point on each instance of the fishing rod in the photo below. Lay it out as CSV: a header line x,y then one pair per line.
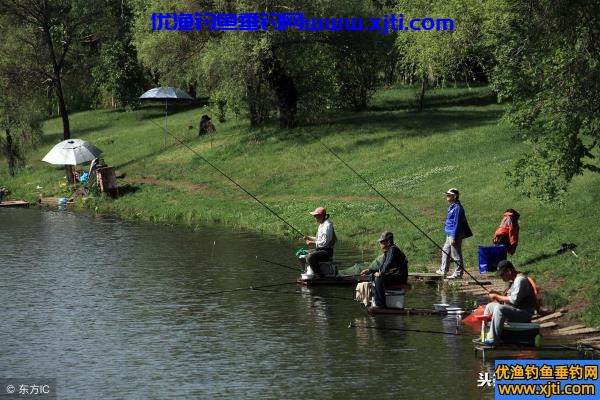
x,y
399,211
352,325
248,288
231,180
276,263
302,293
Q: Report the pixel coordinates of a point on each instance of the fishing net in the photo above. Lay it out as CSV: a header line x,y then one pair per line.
x,y
357,268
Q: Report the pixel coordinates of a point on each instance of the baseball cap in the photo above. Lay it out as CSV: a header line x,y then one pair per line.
x,y
452,191
386,236
503,266
319,211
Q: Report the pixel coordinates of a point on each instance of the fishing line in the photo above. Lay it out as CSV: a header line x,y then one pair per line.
x,y
351,325
231,180
248,288
281,265
398,210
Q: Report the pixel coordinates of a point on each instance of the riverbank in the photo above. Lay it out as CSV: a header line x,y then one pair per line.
x,y
459,140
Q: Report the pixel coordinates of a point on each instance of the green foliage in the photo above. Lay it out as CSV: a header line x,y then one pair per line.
x,y
434,57
548,67
20,102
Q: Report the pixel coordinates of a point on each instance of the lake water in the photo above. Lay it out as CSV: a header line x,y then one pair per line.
x,y
120,310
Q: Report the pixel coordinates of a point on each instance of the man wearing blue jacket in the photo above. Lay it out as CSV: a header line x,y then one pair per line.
x,y
456,228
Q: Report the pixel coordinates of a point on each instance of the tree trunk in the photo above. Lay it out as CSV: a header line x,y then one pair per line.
x,y
421,95
285,89
287,101
62,108
253,106
11,153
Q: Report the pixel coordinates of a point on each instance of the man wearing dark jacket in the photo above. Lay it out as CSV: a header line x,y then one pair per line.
x,y
392,270
456,229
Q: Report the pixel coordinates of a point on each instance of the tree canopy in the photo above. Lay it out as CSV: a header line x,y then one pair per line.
x,y
540,57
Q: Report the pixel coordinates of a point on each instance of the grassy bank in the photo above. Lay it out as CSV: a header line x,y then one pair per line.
x,y
459,140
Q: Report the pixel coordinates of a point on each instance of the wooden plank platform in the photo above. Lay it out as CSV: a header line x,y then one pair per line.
x,y
14,203
549,324
430,276
52,201
548,317
578,331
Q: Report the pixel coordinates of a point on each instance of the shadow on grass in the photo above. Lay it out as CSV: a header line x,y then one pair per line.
x,y
55,138
127,189
476,99
392,124
564,248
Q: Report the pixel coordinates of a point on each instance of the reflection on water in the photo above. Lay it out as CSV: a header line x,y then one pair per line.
x,y
113,309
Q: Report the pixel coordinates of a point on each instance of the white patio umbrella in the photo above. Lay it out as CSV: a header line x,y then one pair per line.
x,y
72,152
166,94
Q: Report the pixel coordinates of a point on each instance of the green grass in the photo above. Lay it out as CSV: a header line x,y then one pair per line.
x,y
459,140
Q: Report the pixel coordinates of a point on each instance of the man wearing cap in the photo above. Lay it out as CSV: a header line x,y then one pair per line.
x,y
392,270
456,228
323,242
519,303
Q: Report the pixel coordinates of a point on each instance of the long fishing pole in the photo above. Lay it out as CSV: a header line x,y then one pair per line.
x,y
399,211
248,288
276,263
352,325
232,181
301,293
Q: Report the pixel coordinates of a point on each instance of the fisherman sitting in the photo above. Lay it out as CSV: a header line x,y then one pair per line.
x,y
393,270
323,241
205,126
518,305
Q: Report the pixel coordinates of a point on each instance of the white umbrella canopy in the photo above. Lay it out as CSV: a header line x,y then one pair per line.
x,y
166,94
72,152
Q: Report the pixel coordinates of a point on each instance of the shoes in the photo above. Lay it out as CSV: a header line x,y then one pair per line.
x,y
489,342
454,276
440,272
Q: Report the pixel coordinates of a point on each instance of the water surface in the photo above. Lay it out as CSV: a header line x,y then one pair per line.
x,y
118,310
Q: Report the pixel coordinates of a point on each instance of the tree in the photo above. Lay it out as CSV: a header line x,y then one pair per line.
x,y
50,30
549,67
20,102
116,71
268,69
435,56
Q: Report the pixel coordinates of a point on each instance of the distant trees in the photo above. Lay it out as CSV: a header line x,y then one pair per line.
x,y
288,70
433,57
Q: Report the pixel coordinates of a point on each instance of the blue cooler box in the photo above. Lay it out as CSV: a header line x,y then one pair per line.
x,y
490,256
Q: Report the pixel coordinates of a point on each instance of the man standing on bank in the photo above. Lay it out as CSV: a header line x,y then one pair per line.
x,y
323,242
456,228
392,270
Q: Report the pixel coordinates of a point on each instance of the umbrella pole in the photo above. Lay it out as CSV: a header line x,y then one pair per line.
x,y
70,178
166,123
